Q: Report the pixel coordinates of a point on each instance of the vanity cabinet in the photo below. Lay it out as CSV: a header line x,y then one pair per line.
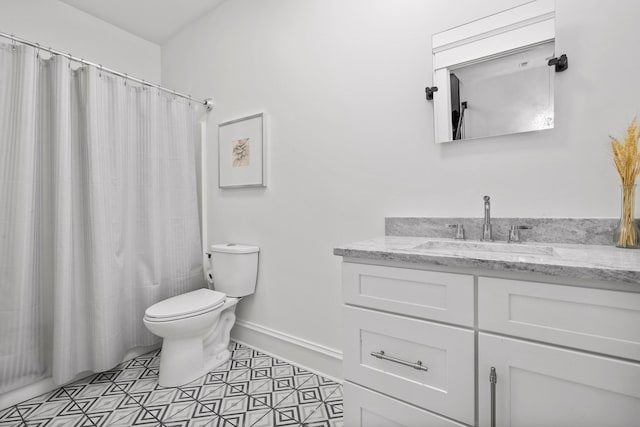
x,y
369,408
429,295
542,385
423,363
563,355
574,374
396,342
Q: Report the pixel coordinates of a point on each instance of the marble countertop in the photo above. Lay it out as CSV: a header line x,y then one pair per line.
x,y
597,262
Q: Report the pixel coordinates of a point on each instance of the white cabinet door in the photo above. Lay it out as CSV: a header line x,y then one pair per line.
x,y
539,385
367,408
379,346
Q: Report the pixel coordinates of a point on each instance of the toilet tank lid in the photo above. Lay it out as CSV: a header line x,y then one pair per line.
x,y
233,248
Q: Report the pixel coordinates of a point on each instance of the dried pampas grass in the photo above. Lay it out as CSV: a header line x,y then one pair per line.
x,y
627,160
626,156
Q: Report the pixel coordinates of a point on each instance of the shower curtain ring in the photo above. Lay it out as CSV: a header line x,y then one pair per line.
x,y
126,77
38,51
13,42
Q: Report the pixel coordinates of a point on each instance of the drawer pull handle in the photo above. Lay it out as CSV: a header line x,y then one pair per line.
x,y
417,365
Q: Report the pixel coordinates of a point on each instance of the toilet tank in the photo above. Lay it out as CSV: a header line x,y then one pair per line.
x,y
234,268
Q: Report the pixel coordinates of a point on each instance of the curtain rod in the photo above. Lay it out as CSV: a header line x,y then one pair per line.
x,y
208,103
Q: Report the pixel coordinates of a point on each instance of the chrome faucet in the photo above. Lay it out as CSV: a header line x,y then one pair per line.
x,y
487,235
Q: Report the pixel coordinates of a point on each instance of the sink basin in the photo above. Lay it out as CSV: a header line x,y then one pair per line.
x,y
476,246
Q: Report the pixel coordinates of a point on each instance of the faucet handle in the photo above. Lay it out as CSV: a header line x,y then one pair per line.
x,y
459,230
514,232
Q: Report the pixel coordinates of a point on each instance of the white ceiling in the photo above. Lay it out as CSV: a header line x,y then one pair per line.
x,y
153,20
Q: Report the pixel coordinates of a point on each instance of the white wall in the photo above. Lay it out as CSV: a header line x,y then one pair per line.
x,y
351,136
56,24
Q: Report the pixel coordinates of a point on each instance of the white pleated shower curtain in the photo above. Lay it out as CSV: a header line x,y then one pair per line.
x,y
98,214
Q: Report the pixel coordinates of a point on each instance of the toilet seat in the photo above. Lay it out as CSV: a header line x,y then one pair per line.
x,y
186,305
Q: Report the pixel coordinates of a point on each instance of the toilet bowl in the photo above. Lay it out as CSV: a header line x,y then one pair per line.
x,y
196,326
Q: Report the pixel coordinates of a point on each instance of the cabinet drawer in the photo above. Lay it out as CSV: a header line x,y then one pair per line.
x,y
432,295
592,319
366,408
541,385
447,387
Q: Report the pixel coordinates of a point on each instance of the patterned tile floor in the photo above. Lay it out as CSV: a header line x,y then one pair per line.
x,y
251,389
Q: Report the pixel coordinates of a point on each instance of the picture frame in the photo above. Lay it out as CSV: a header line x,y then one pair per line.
x,y
241,152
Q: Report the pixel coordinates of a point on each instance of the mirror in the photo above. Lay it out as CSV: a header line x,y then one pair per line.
x,y
509,94
492,76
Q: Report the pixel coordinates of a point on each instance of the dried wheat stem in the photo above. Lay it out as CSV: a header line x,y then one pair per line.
x,y
628,235
627,161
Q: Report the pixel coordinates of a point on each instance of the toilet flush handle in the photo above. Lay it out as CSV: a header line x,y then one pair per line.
x,y
209,275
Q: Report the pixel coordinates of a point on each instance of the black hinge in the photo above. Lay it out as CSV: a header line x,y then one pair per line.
x,y
429,91
561,63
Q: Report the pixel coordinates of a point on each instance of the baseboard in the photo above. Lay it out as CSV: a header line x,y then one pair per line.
x,y
46,385
317,358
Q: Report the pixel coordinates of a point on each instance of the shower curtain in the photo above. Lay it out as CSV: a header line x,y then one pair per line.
x,y
98,214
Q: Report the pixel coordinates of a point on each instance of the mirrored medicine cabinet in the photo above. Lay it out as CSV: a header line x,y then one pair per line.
x,y
495,76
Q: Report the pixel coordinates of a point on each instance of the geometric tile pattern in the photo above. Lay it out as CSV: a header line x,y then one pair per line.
x,y
251,389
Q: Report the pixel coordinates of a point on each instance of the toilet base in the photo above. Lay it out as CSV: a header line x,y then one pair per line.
x,y
183,360
180,361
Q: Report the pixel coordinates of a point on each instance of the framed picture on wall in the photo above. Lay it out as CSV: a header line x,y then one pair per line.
x,y
241,152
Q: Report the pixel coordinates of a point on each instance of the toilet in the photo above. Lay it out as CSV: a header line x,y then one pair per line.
x,y
195,327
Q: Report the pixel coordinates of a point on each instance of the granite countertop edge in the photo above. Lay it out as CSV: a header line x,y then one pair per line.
x,y
580,266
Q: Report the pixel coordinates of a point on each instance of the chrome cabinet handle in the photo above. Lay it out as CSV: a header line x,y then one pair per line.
x,y
417,365
493,379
